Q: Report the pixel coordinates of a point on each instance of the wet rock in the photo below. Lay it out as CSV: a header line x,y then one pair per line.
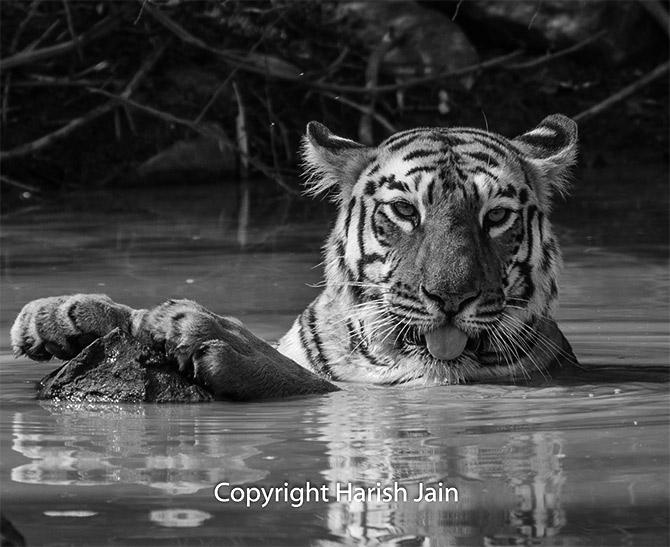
x,y
238,367
119,369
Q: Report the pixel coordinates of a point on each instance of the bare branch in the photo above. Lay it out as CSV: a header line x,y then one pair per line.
x,y
202,129
495,61
557,54
70,26
658,12
19,184
659,71
364,109
26,57
372,69
22,26
76,123
248,65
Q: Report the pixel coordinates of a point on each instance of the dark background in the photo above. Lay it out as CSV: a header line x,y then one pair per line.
x,y
109,94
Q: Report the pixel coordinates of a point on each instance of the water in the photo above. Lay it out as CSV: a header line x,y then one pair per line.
x,y
584,463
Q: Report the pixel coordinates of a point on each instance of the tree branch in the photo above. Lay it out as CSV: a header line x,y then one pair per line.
x,y
623,93
658,12
557,54
247,64
26,57
68,128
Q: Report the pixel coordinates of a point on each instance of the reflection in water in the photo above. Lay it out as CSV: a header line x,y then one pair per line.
x,y
153,445
76,514
179,518
509,483
513,478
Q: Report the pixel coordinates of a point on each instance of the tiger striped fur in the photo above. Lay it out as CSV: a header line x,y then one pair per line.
x,y
442,267
435,226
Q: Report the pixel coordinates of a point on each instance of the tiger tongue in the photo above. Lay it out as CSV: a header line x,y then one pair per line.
x,y
446,343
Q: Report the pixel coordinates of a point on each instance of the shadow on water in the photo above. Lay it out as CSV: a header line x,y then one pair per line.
x,y
579,461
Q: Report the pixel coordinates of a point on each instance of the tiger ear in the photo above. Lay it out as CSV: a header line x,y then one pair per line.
x,y
551,151
331,161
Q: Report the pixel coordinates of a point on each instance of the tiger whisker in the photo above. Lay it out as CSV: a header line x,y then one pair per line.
x,y
524,345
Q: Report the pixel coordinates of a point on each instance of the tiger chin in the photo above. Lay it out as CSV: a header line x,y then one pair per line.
x,y
441,268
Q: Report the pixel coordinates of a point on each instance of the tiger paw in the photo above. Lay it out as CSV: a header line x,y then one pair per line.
x,y
62,326
179,327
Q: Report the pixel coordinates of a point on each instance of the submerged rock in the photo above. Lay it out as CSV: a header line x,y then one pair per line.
x,y
117,368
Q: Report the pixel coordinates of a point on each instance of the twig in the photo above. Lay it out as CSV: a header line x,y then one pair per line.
x,y
658,12
332,67
371,78
202,129
26,57
42,37
46,140
364,109
223,85
68,128
41,80
241,133
185,36
215,95
495,61
18,184
557,54
623,93
22,26
242,139
12,49
70,26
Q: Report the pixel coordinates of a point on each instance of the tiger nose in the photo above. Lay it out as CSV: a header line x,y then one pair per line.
x,y
451,302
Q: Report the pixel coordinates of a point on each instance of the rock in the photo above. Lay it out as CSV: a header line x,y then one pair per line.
x,y
119,369
426,42
200,155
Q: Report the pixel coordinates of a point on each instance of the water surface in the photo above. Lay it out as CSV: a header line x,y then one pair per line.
x,y
584,463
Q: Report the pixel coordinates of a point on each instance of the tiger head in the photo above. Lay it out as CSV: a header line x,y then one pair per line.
x,y
442,243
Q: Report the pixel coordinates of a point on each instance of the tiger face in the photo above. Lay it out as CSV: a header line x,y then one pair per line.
x,y
442,248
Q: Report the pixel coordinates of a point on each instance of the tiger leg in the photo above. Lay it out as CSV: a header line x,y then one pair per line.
x,y
218,352
223,356
62,326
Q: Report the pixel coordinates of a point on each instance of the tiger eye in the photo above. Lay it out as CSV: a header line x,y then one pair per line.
x,y
405,210
497,216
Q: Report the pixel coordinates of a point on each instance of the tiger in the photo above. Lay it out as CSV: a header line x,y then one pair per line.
x,y
441,268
